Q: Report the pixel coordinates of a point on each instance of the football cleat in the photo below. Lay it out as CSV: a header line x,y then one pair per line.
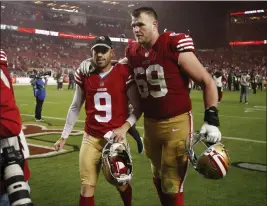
x,y
117,164
213,163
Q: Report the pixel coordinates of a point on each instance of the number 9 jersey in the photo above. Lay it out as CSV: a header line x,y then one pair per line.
x,y
161,83
106,100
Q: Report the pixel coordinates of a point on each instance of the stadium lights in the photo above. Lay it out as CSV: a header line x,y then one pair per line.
x,y
59,34
246,43
38,2
115,2
73,7
51,4
248,12
111,2
67,10
64,6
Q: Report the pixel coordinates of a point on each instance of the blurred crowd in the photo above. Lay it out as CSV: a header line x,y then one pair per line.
x,y
60,55
93,24
26,51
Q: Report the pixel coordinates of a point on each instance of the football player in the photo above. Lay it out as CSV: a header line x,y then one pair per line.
x,y
162,66
11,133
106,92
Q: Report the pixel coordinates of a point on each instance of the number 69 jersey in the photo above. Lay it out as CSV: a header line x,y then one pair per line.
x,y
106,100
161,83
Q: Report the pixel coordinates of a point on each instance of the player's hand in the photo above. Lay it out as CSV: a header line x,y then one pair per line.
x,y
87,68
121,132
60,144
211,133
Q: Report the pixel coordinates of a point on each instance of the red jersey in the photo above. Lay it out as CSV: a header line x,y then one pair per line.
x,y
162,84
10,120
106,100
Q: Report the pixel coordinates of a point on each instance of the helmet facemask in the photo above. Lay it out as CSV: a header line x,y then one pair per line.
x,y
213,163
117,164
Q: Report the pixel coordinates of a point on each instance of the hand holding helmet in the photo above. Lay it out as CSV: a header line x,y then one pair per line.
x,y
213,163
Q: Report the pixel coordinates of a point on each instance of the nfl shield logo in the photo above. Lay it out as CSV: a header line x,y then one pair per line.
x,y
101,84
146,54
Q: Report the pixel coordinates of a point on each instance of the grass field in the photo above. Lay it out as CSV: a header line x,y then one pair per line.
x,y
55,180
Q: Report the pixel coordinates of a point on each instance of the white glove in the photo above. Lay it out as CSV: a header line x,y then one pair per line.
x,y
211,133
86,67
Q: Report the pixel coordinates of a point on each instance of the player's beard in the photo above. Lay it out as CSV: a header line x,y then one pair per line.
x,y
103,63
140,39
143,40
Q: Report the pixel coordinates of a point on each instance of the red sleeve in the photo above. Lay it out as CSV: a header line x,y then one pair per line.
x,y
130,52
127,50
10,121
181,43
126,73
3,58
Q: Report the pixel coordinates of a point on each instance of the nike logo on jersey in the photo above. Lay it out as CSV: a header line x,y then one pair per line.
x,y
175,130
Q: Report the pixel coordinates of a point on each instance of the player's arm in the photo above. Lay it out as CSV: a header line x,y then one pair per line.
x,y
74,111
134,99
188,62
72,116
191,66
75,107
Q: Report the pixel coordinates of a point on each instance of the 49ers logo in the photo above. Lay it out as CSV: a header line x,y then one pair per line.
x,y
44,148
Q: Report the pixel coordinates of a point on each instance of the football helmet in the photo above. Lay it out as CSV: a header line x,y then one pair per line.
x,y
117,163
213,163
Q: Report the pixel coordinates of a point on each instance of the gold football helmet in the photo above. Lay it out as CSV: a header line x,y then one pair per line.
x,y
117,164
213,163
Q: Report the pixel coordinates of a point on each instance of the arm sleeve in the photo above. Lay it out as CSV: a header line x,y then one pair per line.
x,y
74,111
134,100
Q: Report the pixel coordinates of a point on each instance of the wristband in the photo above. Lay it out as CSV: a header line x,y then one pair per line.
x,y
211,116
131,119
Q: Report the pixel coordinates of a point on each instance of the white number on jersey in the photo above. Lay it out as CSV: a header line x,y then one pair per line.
x,y
160,81
105,108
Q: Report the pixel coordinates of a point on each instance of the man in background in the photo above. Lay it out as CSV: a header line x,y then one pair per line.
x,y
244,82
218,78
71,80
39,87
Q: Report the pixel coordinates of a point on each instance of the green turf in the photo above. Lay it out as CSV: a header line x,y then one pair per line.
x,y
55,180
